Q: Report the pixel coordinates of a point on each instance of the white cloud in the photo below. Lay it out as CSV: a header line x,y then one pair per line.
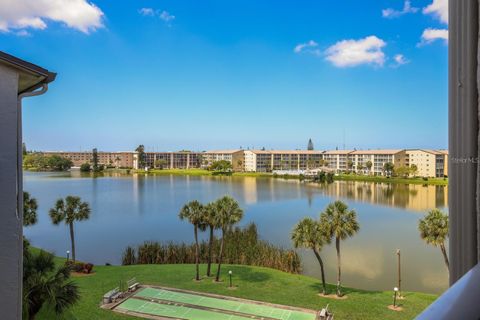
x,y
22,14
438,8
167,17
310,47
400,60
392,13
430,35
350,53
163,15
146,12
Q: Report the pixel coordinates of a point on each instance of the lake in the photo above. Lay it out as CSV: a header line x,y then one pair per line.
x,y
128,210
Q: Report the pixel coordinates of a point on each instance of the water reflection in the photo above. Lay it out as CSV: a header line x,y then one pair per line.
x,y
127,210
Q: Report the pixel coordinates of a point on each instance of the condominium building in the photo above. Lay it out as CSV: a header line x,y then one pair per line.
x,y
337,160
122,159
234,157
173,160
267,161
429,163
360,159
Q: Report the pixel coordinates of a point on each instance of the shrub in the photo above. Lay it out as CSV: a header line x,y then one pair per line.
x,y
242,246
85,167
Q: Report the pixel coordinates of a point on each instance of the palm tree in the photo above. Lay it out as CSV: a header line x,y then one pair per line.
x,y
70,209
30,207
434,230
194,212
44,284
308,234
211,220
369,165
340,223
228,214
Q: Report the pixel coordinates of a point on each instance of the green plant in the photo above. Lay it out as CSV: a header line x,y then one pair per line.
x,y
85,167
194,212
70,209
434,230
44,284
229,213
308,234
339,223
30,207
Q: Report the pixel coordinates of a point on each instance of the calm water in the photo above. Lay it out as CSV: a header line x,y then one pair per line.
x,y
127,210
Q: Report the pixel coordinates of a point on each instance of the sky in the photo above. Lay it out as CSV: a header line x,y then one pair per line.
x,y
215,74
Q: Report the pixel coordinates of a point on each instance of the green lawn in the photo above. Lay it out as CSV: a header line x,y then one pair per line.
x,y
255,283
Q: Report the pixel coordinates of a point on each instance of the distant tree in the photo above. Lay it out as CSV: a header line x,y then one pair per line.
x,y
194,212
221,166
240,164
321,177
339,223
402,171
85,167
45,284
329,177
70,209
160,163
228,214
141,156
413,170
434,230
95,160
212,221
308,234
325,163
310,144
30,207
349,164
360,167
117,161
388,168
59,163
369,165
24,149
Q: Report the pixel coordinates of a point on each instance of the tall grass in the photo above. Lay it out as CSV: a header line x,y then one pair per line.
x,y
242,246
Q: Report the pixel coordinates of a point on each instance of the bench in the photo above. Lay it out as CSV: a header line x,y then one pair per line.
x,y
108,297
132,284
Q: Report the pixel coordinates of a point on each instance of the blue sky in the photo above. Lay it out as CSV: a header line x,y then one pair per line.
x,y
222,74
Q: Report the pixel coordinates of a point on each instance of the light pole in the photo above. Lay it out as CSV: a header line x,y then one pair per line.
x,y
395,297
230,275
68,255
399,275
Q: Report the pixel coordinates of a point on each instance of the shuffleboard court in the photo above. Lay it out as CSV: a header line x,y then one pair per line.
x,y
192,306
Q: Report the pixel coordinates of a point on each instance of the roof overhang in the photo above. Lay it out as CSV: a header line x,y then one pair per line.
x,y
31,76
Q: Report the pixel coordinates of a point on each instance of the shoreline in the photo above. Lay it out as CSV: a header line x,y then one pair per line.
x,y
202,172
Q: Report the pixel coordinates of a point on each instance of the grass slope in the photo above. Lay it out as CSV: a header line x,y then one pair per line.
x,y
255,283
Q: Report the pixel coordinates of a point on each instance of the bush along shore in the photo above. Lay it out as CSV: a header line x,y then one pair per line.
x,y
242,247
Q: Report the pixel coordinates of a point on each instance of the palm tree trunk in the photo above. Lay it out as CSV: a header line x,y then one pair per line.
x,y
210,247
72,239
220,256
197,275
339,273
320,261
445,256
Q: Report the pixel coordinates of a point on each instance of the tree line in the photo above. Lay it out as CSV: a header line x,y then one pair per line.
x,y
41,162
